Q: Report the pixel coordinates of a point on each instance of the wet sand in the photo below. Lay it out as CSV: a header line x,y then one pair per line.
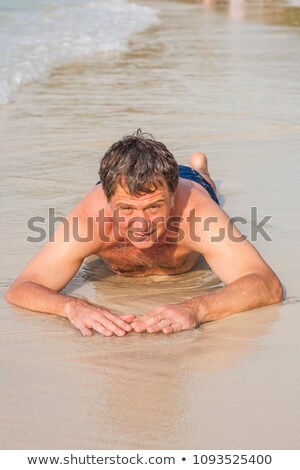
x,y
206,78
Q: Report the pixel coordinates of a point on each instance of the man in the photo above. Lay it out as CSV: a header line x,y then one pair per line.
x,y
148,216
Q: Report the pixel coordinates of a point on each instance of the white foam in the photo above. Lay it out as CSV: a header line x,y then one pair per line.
x,y
293,3
34,41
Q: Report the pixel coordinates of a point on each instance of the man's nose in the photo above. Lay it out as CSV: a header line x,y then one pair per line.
x,y
140,222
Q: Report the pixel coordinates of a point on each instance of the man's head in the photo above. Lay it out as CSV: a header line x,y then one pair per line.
x,y
139,164
139,177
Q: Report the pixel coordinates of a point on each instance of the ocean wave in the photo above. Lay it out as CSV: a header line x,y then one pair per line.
x,y
33,41
293,3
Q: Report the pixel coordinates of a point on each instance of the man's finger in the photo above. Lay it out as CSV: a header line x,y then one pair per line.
x,y
159,326
111,326
101,329
167,330
147,320
144,322
176,327
86,331
118,321
129,318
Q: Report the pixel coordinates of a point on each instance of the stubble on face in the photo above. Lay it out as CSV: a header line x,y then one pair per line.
x,y
141,219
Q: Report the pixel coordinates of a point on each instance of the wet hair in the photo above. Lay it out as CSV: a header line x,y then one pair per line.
x,y
138,163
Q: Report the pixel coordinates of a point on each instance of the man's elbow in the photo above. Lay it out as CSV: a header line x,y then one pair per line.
x,y
9,295
12,293
275,290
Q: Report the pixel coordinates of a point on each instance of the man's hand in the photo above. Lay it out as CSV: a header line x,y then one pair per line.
x,y
87,317
168,319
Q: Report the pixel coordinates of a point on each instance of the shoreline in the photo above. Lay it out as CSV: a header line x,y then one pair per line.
x,y
229,384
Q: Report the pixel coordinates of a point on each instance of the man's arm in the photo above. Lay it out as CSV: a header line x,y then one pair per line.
x,y
250,281
37,287
251,291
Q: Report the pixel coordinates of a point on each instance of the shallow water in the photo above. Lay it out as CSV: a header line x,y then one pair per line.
x,y
37,36
207,77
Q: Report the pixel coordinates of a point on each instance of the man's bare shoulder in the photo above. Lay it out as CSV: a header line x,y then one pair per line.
x,y
193,199
90,204
85,226
201,216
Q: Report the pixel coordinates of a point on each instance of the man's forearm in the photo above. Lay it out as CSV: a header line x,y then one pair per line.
x,y
33,296
84,316
246,293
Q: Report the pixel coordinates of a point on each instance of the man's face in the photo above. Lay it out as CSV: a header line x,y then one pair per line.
x,y
141,219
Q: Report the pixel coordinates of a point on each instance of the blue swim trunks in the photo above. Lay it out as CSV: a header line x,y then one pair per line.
x,y
190,174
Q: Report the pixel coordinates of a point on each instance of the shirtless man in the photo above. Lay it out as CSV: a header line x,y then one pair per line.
x,y
147,220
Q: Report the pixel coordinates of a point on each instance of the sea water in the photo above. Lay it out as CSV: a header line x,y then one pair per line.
x,y
36,36
221,77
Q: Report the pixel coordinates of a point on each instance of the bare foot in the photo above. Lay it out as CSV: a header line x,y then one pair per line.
x,y
198,161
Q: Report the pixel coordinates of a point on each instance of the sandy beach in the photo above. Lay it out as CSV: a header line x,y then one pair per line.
x,y
219,77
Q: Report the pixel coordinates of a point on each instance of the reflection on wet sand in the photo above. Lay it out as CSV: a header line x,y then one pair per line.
x,y
196,80
276,12
137,381
145,376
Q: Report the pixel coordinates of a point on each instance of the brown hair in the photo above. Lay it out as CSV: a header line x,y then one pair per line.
x,y
139,163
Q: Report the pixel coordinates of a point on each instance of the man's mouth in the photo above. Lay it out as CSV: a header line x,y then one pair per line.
x,y
140,235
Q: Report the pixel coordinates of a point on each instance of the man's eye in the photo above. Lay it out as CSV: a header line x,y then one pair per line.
x,y
126,209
